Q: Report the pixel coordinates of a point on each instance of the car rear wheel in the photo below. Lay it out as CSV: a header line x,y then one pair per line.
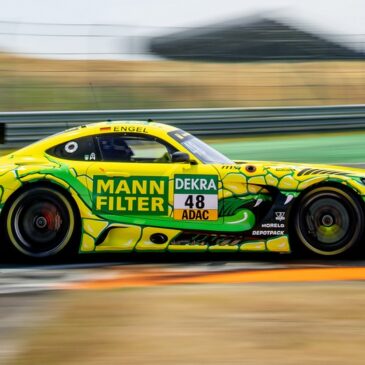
x,y
40,222
329,221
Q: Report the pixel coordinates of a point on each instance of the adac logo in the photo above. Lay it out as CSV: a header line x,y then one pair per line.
x,y
280,216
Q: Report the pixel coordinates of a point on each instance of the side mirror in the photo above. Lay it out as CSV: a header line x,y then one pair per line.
x,y
180,157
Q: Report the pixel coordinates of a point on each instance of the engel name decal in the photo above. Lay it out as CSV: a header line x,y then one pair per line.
x,y
134,129
196,197
135,195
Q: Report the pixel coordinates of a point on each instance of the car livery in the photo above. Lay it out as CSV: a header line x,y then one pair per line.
x,y
145,186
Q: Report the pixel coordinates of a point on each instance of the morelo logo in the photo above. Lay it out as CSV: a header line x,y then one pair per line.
x,y
280,216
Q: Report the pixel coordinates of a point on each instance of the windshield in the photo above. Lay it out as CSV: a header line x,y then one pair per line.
x,y
198,148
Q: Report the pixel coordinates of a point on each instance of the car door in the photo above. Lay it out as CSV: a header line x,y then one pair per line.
x,y
137,183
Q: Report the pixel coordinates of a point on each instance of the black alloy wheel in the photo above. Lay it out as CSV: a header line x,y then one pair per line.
x,y
40,222
329,221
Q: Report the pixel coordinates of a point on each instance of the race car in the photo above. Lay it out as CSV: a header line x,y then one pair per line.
x,y
150,187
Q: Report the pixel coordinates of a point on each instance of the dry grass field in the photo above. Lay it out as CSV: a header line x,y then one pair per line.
x,y
38,84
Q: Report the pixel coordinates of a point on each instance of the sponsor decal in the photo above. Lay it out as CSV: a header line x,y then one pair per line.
x,y
179,135
188,243
91,157
311,171
231,167
71,147
134,195
196,197
272,225
134,129
267,233
210,240
280,216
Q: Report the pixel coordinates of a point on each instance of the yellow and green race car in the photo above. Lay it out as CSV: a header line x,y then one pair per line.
x,y
144,186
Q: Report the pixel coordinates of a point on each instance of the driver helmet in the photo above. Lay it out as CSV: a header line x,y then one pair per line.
x,y
122,147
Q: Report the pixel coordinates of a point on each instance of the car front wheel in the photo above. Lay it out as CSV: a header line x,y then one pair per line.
x,y
329,221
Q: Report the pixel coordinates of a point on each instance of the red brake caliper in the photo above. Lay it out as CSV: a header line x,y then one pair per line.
x,y
53,219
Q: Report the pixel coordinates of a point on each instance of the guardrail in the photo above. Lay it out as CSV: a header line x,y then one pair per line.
x,y
25,127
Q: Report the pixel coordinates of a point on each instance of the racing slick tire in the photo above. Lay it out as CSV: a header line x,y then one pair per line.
x,y
41,222
329,221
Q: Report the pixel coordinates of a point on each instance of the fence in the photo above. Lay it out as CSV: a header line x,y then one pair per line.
x,y
25,127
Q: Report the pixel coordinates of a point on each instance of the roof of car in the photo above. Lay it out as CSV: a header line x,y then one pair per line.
x,y
128,124
140,127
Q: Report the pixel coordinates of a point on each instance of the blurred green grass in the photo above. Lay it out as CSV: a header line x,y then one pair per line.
x,y
317,148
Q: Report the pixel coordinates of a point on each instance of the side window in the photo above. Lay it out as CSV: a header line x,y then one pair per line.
x,y
114,147
79,149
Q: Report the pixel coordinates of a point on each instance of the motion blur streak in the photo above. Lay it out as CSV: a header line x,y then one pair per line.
x,y
140,278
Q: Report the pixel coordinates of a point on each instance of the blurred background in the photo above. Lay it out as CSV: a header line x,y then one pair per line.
x,y
83,54
74,55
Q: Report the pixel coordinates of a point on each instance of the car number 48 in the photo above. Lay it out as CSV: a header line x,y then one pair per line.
x,y
196,201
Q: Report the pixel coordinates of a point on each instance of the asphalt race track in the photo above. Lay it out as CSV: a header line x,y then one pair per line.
x,y
90,274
